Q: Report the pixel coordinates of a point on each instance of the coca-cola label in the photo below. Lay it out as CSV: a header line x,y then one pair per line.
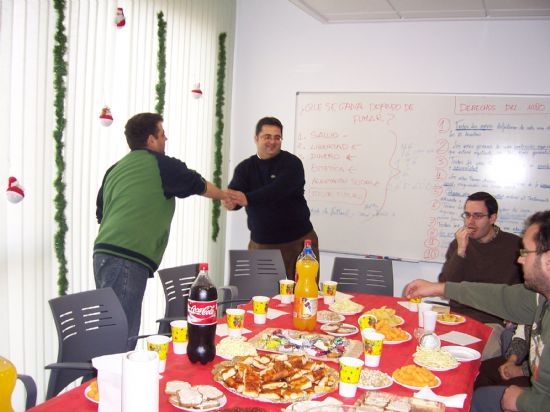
x,y
202,313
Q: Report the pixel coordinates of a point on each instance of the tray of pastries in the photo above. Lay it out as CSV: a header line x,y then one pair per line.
x,y
316,345
276,378
372,401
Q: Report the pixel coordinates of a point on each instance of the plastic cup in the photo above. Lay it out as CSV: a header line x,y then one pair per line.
x,y
179,336
259,306
422,307
286,290
372,344
350,372
429,318
235,322
366,320
159,344
329,291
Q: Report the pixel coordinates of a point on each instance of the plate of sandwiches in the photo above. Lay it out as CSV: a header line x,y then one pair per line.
x,y
276,378
385,401
193,398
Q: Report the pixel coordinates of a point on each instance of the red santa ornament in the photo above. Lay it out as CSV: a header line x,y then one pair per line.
x,y
14,192
106,117
196,91
120,20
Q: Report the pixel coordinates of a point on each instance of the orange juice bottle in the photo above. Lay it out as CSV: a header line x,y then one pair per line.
x,y
304,315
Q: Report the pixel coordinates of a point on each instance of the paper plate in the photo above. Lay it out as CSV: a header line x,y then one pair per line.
x,y
223,401
417,388
88,396
463,353
397,342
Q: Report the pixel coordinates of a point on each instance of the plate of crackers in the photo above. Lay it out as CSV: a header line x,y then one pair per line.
x,y
193,398
373,379
384,401
340,329
450,319
327,316
276,378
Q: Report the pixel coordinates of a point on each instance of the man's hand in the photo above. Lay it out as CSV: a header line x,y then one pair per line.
x,y
508,403
420,288
237,197
462,237
509,370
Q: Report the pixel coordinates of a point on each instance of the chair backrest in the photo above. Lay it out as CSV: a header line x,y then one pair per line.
x,y
176,283
256,272
88,324
374,276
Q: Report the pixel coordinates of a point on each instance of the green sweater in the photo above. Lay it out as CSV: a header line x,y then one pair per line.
x,y
520,305
135,205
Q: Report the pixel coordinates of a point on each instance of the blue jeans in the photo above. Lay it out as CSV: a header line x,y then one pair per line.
x,y
128,280
487,399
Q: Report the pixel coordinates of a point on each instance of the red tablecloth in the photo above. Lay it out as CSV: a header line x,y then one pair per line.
x,y
459,380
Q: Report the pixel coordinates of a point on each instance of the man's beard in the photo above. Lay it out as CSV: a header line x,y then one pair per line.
x,y
537,281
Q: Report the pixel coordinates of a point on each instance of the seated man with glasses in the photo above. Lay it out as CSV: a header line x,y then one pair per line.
x,y
481,252
524,304
270,185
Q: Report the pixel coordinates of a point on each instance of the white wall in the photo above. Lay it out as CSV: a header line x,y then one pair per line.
x,y
280,50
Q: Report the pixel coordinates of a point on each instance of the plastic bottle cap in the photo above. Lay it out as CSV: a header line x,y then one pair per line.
x,y
203,266
307,242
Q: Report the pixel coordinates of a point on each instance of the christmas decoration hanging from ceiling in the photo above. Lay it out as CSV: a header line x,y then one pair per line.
x,y
106,117
15,192
120,20
196,91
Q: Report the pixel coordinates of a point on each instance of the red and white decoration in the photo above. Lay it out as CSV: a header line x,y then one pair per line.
x,y
120,20
15,192
196,91
106,117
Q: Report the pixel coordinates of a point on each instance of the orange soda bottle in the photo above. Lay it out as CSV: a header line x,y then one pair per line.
x,y
304,315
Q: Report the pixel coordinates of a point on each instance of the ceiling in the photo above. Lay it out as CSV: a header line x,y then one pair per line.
x,y
358,11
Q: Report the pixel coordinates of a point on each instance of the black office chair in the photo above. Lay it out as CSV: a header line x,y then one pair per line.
x,y
176,283
374,276
30,388
88,324
255,272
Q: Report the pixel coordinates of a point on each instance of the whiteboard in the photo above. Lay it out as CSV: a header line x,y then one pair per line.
x,y
388,174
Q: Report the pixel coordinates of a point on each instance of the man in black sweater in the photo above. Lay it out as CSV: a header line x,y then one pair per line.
x,y
270,185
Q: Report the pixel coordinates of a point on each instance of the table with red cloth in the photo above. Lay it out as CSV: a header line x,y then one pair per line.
x,y
178,367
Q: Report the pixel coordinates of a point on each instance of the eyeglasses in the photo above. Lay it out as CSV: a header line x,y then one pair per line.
x,y
476,216
267,137
525,252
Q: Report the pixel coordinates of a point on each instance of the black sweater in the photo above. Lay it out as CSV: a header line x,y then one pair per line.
x,y
277,210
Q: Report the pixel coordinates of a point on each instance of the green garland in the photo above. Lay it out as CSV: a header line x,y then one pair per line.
x,y
161,65
218,136
59,72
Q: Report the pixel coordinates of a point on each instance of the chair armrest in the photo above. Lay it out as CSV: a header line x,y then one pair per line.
x,y
228,292
30,388
132,338
71,365
171,319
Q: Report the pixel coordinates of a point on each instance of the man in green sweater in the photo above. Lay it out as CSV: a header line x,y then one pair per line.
x,y
135,206
526,303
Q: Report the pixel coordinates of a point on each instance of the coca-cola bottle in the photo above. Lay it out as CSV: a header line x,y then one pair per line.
x,y
202,310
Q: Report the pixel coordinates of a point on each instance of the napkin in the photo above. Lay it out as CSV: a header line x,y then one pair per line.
x,y
109,381
223,330
455,401
140,381
459,338
272,313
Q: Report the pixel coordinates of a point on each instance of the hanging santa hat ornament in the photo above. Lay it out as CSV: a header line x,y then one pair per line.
x,y
14,192
106,117
196,91
120,20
